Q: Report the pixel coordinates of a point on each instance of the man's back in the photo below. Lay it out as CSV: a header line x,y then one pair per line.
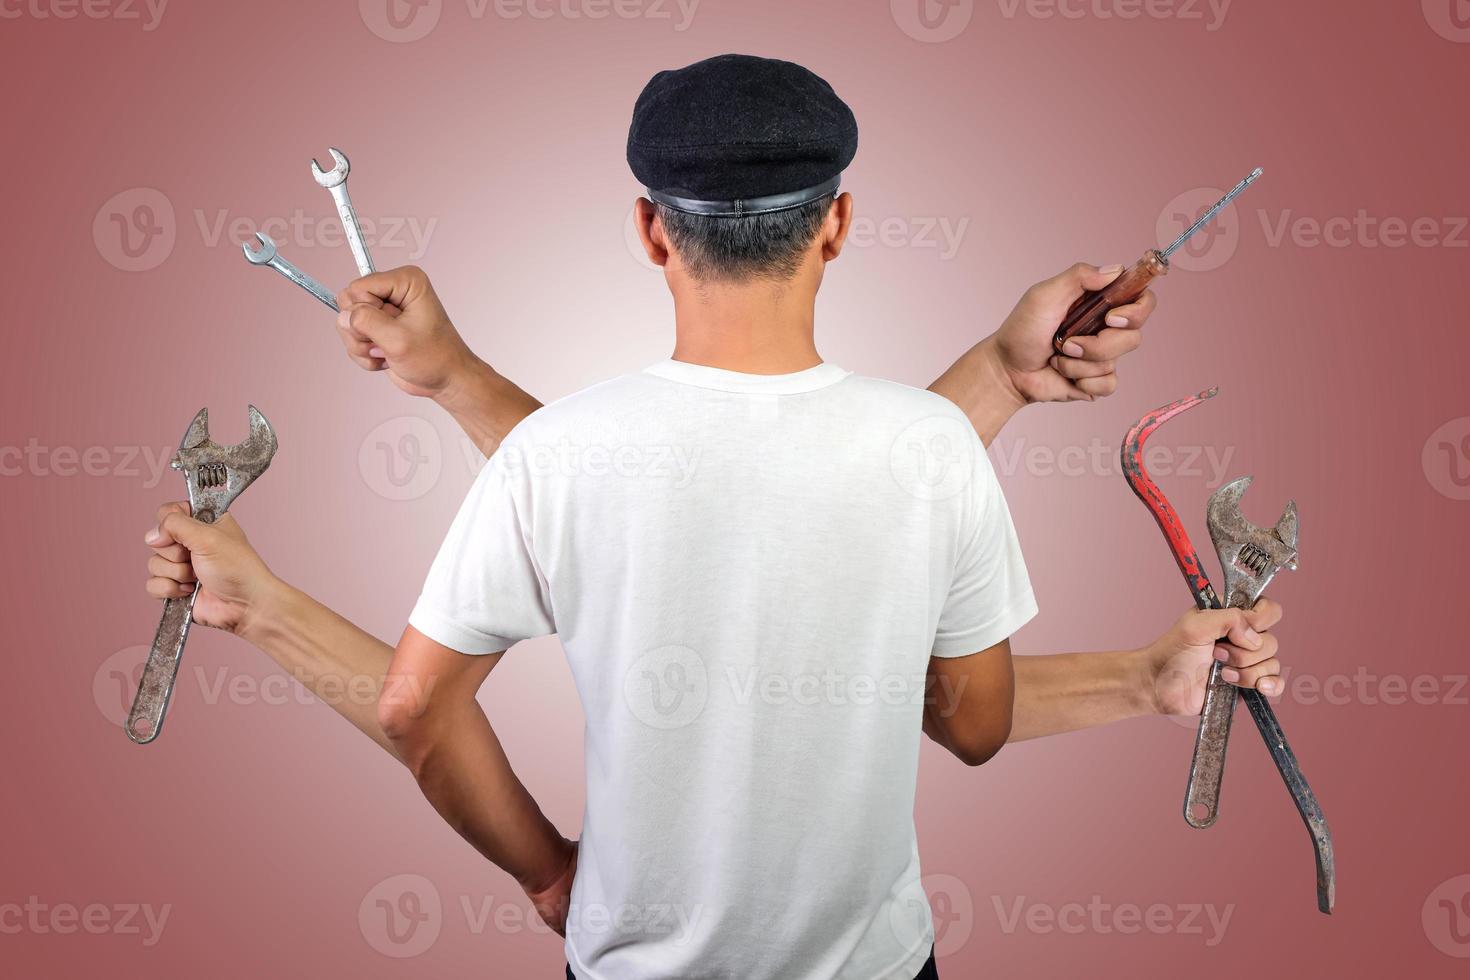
x,y
748,574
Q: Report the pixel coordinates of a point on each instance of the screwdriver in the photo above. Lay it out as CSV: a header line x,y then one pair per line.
x,y
1085,318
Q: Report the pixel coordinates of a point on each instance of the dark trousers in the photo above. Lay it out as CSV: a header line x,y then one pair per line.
x,y
929,972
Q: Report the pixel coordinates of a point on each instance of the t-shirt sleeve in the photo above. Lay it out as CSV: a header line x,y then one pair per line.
x,y
485,591
990,597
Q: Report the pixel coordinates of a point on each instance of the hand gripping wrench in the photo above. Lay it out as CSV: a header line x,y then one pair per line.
x,y
1250,557
268,255
216,475
335,180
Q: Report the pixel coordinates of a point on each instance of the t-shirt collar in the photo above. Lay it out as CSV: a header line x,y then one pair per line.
x,y
718,379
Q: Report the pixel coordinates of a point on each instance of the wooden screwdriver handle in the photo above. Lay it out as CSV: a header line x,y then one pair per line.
x,y
1086,316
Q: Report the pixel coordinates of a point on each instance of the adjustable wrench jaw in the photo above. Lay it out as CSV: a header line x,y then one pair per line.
x,y
217,474
1249,556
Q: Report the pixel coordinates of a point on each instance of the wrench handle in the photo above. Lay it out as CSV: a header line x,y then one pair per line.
x,y
1207,768
350,225
145,720
306,282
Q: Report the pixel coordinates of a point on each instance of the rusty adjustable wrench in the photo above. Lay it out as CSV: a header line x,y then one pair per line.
x,y
1246,554
216,475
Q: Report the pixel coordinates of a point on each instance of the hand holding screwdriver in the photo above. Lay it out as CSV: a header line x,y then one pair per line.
x,y
1086,315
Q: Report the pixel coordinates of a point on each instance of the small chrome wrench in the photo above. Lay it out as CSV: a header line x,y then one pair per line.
x,y
216,475
268,255
335,180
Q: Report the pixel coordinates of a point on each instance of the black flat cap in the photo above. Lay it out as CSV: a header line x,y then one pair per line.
x,y
735,135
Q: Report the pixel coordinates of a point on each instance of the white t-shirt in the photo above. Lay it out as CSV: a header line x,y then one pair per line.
x,y
748,574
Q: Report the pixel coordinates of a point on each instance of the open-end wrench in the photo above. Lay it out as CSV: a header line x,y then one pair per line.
x,y
1241,547
268,255
335,180
215,475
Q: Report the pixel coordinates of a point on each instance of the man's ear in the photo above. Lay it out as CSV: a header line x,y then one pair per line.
x,y
650,232
836,227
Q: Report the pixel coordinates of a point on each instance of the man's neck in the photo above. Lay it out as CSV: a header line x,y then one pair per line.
x,y
753,328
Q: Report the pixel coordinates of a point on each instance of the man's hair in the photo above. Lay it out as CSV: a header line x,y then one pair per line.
x,y
753,246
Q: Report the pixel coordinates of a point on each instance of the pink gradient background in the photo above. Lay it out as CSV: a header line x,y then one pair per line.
x,y
266,825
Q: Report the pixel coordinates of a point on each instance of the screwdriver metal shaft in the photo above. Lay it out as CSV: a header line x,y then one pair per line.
x,y
1086,316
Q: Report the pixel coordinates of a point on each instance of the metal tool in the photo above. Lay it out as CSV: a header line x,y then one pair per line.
x,y
335,180
1087,314
1250,557
216,475
268,255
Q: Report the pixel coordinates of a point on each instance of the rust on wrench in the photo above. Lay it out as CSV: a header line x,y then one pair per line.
x,y
335,180
215,475
1244,568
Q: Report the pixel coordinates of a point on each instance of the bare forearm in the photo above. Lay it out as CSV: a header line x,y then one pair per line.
x,y
333,659
1067,691
463,771
979,385
486,405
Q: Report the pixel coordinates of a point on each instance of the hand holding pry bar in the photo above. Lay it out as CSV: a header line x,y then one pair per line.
x,y
1250,557
1086,316
216,475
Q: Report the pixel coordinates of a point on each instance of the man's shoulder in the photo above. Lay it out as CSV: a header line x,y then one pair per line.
x,y
596,403
903,401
